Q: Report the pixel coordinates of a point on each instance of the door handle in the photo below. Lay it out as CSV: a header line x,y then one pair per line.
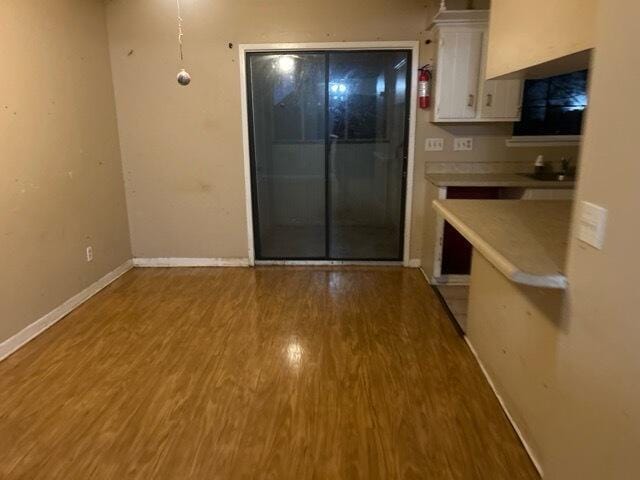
x,y
471,100
489,99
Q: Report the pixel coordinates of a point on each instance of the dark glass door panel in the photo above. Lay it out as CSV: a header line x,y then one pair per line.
x,y
288,123
368,103
328,135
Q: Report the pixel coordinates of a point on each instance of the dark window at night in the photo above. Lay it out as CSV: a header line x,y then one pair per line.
x,y
554,105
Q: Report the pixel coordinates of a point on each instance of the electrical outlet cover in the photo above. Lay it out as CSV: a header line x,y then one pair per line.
x,y
462,144
434,144
592,224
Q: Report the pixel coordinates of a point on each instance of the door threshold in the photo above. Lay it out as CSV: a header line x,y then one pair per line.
x,y
329,263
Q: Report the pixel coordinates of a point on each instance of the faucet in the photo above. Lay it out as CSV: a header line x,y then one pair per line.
x,y
568,167
565,169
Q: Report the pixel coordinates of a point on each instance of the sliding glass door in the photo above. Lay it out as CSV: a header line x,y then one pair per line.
x,y
288,123
328,137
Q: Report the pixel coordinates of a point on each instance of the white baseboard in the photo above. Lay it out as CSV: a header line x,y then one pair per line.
x,y
191,262
414,263
36,328
533,458
426,277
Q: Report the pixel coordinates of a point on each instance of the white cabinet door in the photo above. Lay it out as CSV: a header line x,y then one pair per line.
x,y
458,72
501,99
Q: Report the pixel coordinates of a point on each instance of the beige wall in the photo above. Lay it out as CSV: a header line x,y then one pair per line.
x,y
61,183
568,365
524,34
516,331
182,147
601,359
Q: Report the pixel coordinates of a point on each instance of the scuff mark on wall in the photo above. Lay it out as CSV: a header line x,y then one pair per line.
x,y
25,186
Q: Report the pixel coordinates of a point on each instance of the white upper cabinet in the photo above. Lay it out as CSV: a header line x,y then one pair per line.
x,y
458,72
461,93
501,100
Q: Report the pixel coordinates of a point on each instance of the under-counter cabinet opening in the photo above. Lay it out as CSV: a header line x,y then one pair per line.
x,y
456,250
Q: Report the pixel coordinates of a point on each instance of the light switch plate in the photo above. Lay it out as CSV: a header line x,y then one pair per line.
x,y
462,143
434,145
592,225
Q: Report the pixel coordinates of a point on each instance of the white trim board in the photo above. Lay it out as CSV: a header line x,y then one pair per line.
x,y
191,262
246,149
414,263
544,141
28,333
529,450
326,263
414,46
426,277
373,45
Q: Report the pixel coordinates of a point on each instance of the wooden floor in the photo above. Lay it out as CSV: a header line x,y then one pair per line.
x,y
281,373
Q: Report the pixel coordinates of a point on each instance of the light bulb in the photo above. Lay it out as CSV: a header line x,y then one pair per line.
x,y
184,78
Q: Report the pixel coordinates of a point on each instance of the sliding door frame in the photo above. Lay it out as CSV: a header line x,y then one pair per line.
x,y
243,49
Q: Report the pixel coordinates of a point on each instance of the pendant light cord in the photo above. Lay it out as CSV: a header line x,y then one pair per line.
x,y
180,34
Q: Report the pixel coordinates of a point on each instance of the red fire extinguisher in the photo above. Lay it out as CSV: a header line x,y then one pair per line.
x,y
424,86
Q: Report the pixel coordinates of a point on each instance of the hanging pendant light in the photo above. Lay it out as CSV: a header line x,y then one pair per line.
x,y
183,77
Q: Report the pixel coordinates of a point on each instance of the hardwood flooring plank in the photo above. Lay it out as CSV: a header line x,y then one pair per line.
x,y
272,372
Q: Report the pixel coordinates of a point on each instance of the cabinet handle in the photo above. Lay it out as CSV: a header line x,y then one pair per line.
x,y
471,100
489,99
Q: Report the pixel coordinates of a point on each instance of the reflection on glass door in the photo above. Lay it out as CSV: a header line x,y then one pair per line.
x,y
287,98
329,148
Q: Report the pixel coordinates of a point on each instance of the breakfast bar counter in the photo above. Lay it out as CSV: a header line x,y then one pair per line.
x,y
512,180
525,240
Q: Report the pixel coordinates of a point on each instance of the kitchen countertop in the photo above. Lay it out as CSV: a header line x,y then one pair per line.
x,y
526,240
493,180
